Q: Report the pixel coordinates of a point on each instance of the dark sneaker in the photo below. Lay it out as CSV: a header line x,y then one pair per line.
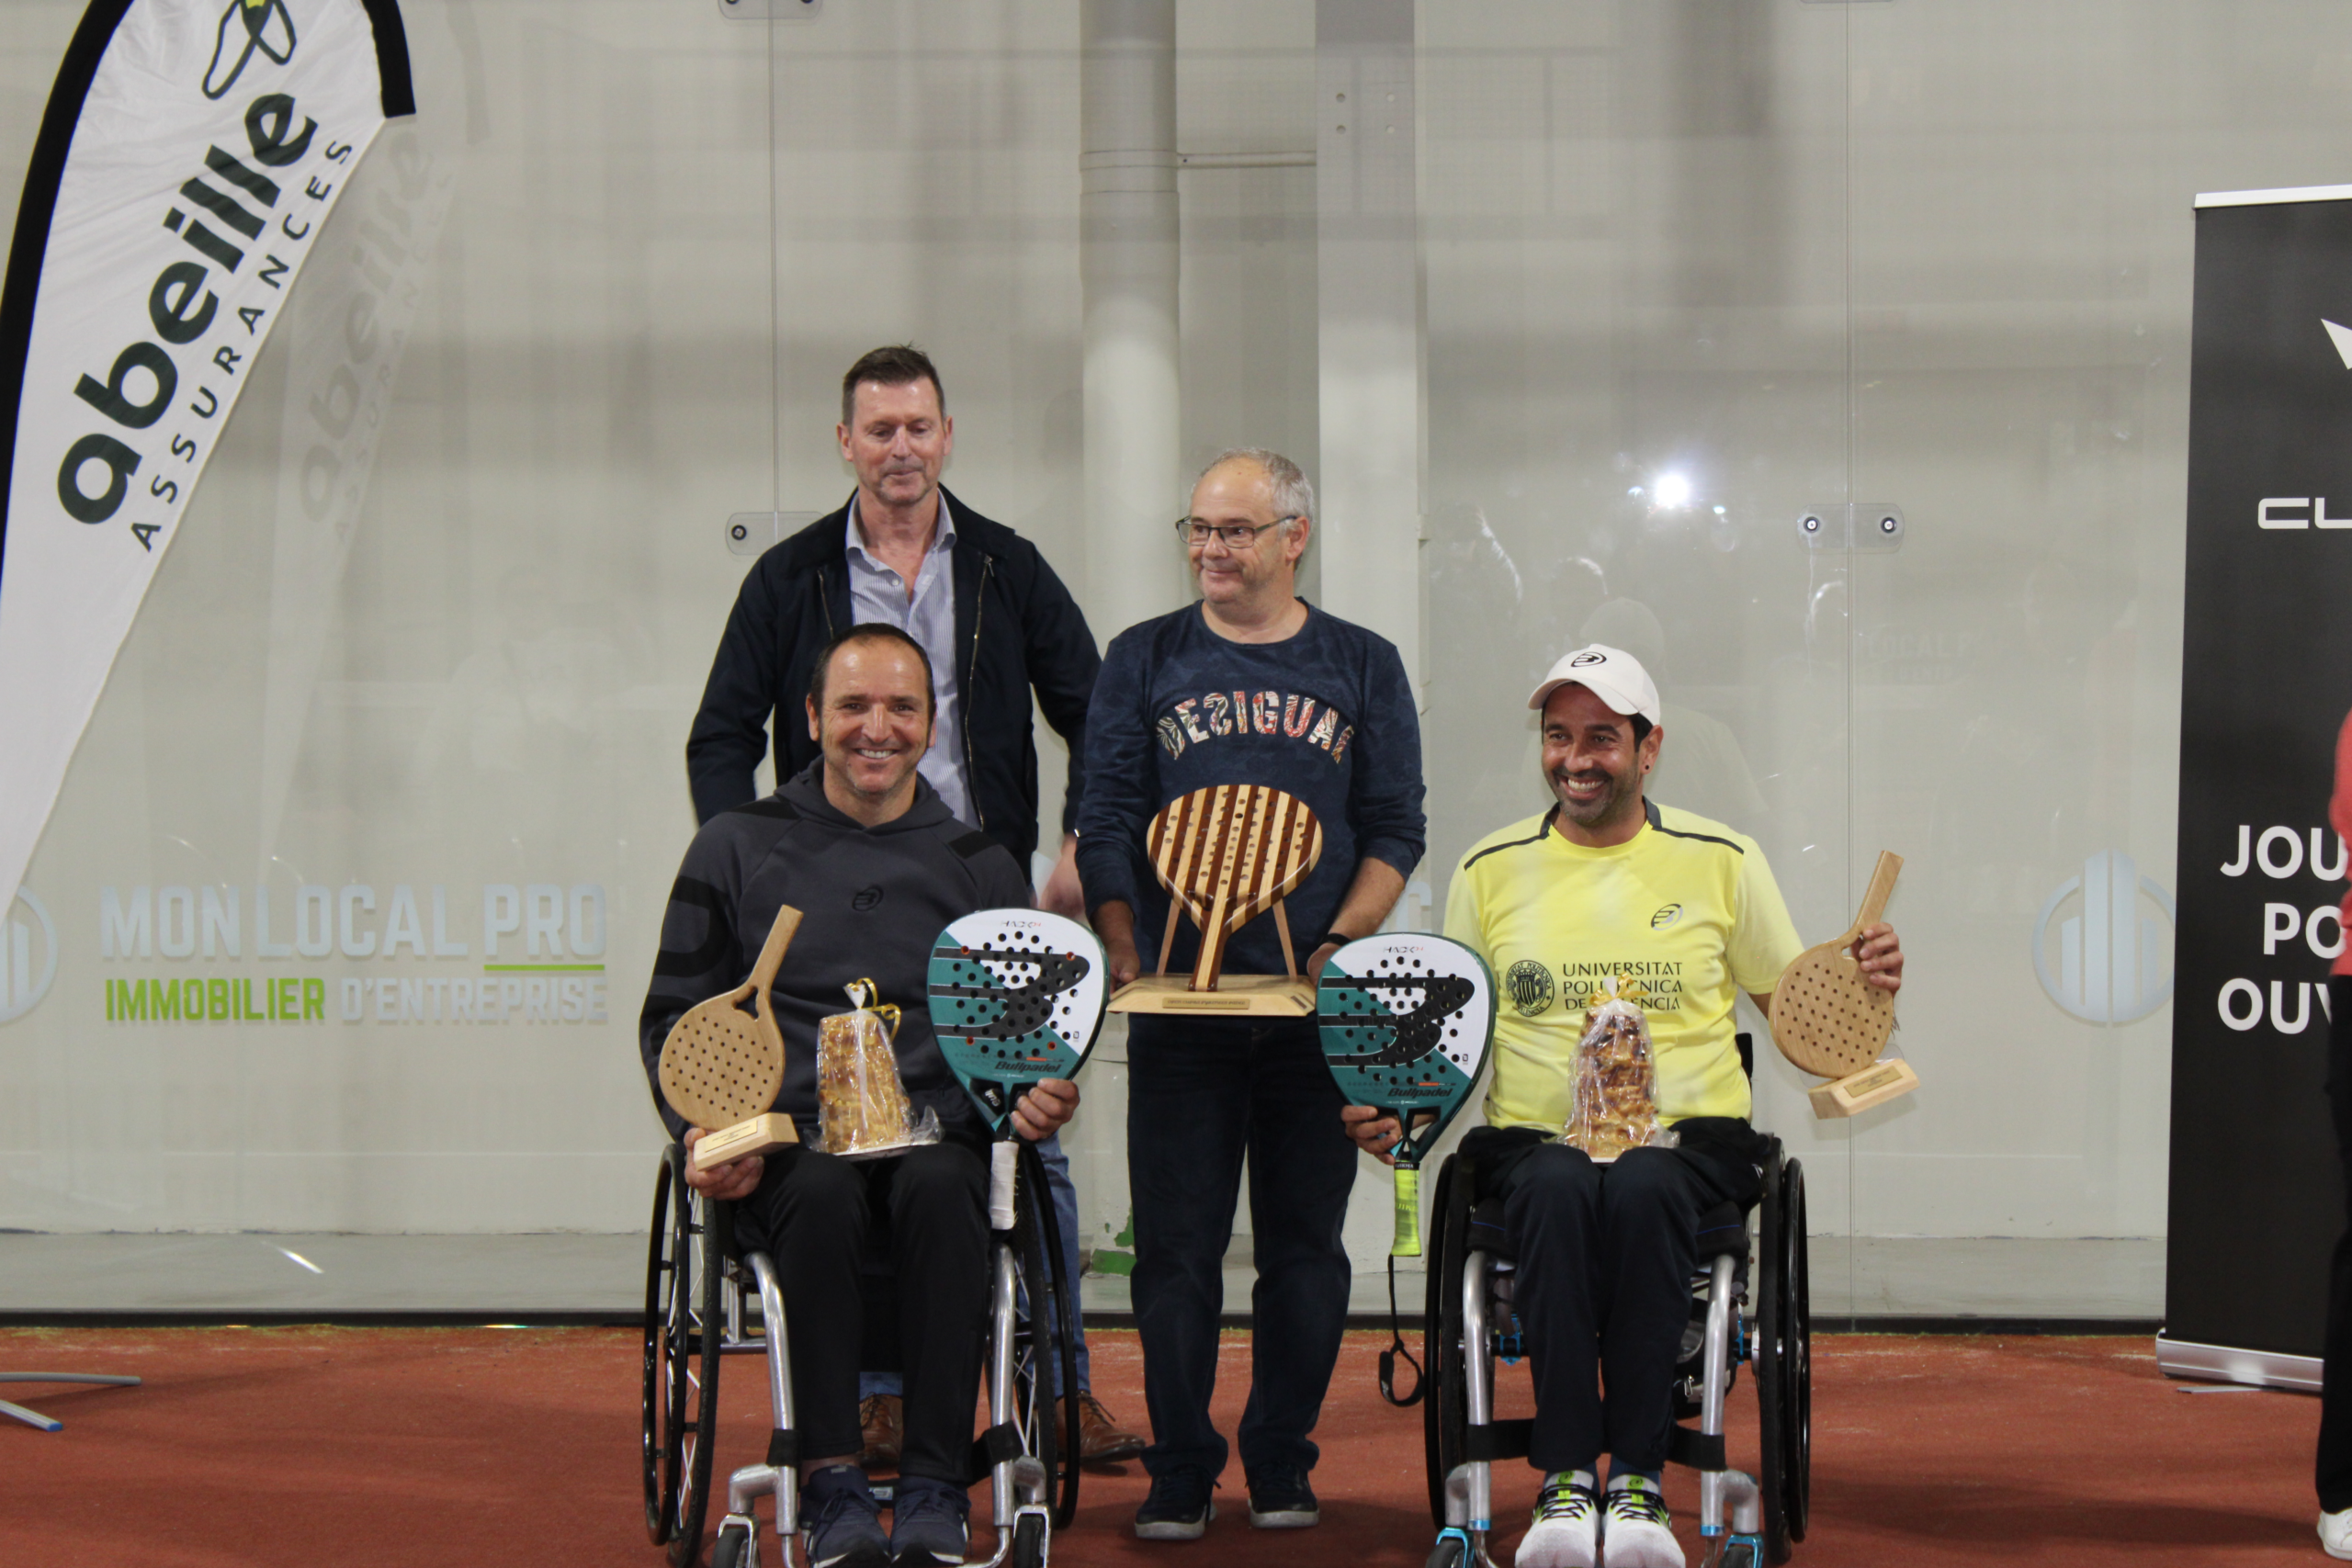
x,y
1179,1507
844,1523
1280,1499
927,1523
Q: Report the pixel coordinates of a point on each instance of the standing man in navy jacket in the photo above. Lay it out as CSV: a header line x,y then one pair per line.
x,y
1252,685
995,623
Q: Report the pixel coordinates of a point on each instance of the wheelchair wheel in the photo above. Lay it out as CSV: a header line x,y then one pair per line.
x,y
1445,1409
1449,1552
661,1276
687,1327
1035,1239
1068,1448
1028,1544
1783,1360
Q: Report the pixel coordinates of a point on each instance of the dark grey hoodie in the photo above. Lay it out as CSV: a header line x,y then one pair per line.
x,y
872,901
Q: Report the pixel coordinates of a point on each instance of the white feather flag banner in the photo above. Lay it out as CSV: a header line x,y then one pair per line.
x,y
190,154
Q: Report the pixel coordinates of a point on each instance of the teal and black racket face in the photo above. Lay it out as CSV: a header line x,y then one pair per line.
x,y
1016,996
1407,1021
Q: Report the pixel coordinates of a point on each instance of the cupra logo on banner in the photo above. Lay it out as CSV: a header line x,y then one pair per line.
x,y
27,957
248,27
2114,961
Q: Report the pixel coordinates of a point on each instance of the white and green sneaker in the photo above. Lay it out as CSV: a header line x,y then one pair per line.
x,y
1566,1523
2335,1533
1635,1529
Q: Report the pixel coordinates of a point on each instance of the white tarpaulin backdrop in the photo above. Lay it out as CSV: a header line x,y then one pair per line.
x,y
191,154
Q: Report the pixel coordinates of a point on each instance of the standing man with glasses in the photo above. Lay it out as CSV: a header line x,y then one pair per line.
x,y
1252,685
996,625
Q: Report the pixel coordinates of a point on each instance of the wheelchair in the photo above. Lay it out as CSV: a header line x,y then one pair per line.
x,y
706,1300
1470,1324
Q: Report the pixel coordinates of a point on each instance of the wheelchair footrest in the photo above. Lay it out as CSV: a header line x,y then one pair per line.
x,y
1698,1450
1502,1440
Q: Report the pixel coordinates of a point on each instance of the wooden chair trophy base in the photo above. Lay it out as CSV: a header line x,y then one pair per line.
x,y
757,1136
1228,854
1235,995
1857,1092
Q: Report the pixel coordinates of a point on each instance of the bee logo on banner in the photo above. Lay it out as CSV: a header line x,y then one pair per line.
x,y
186,163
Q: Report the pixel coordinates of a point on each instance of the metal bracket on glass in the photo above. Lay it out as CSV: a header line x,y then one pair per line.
x,y
748,533
771,10
1851,525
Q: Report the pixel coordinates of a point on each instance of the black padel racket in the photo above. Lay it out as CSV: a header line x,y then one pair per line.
x,y
1407,1020
1016,996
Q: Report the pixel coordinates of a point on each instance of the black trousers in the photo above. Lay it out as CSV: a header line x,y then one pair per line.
x,y
812,1213
1605,1258
2335,1468
1201,1097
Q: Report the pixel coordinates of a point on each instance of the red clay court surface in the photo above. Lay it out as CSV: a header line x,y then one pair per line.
x,y
355,1447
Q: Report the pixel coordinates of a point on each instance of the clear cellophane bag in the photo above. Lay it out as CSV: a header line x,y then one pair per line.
x,y
1616,1081
862,1108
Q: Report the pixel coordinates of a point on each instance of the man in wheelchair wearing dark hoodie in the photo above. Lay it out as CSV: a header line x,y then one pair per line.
x,y
1607,883
877,865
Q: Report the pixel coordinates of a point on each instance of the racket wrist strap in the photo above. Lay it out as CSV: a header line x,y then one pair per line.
x,y
1395,1350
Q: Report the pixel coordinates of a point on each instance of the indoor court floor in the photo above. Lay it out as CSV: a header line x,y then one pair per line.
x,y
415,1445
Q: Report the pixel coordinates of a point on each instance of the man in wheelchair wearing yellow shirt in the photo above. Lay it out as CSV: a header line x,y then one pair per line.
x,y
1606,883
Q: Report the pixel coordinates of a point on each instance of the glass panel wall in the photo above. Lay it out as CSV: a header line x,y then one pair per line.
x,y
1689,272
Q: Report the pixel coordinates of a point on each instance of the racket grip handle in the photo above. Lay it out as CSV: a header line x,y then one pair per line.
x,y
1003,1157
1408,1213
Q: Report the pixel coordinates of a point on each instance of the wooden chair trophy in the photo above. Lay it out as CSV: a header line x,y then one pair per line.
x,y
1830,1020
1227,854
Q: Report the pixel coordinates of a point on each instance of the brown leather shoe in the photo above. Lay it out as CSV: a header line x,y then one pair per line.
x,y
1101,1441
883,1420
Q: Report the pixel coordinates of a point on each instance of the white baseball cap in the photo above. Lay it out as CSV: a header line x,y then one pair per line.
x,y
1612,674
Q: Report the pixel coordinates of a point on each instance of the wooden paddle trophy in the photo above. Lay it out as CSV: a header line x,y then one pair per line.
x,y
1830,1020
1227,854
722,1064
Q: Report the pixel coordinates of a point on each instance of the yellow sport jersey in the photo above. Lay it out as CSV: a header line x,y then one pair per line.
x,y
1685,912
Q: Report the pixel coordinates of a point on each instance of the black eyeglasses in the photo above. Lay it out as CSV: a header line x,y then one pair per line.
x,y
1237,535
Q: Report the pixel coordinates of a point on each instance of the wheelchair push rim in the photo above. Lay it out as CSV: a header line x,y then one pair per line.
x,y
1784,1377
661,1276
684,1343
1445,1415
1046,1341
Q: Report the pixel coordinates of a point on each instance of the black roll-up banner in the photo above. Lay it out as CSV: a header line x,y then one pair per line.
x,y
2257,1188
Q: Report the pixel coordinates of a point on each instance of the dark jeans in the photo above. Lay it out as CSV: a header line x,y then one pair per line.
x,y
1201,1096
1605,1258
2334,1467
812,1215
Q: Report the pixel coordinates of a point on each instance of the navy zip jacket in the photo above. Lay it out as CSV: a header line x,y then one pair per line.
x,y
1016,627
872,901
1325,715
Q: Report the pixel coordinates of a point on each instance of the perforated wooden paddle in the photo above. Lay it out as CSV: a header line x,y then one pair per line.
x,y
722,1064
1827,1017
1227,854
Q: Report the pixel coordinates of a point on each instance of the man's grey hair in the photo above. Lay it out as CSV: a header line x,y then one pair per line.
x,y
1294,496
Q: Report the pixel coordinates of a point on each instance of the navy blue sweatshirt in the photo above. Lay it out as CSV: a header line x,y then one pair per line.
x,y
1325,715
873,902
